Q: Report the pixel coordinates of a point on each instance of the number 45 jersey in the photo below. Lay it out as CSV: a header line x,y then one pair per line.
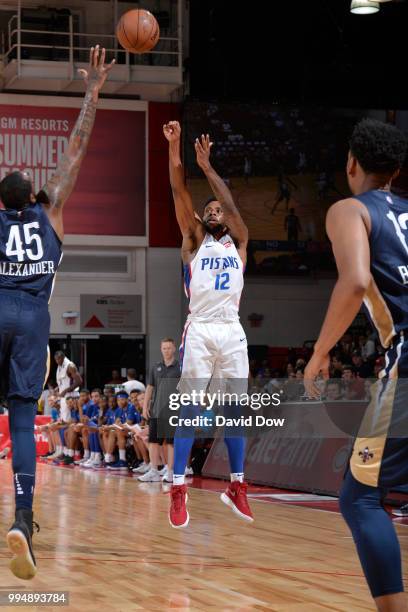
x,y
30,251
214,281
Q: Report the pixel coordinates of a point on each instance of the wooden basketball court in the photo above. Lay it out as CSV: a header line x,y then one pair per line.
x,y
106,539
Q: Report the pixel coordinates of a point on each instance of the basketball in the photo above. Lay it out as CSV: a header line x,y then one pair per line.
x,y
138,31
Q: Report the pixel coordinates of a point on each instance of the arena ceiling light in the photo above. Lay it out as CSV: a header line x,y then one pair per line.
x,y
364,7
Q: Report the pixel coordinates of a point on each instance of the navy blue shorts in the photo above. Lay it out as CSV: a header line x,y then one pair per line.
x,y
24,334
380,453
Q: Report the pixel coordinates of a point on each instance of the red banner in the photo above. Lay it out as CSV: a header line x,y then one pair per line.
x,y
109,197
163,228
41,439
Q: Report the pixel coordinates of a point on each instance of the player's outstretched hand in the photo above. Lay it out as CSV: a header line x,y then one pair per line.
x,y
172,131
203,148
97,71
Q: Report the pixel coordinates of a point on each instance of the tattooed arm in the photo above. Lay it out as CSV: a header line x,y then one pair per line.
x,y
58,189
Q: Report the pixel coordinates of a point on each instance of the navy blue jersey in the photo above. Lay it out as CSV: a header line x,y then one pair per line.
x,y
30,251
386,299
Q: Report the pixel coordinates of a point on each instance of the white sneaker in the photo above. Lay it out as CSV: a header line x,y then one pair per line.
x,y
163,471
88,463
168,476
189,471
151,476
81,461
142,469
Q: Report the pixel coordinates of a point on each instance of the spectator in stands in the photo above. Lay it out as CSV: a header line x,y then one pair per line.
x,y
292,225
333,390
264,370
274,385
109,391
116,379
300,364
346,347
367,347
336,367
289,370
132,382
353,387
362,368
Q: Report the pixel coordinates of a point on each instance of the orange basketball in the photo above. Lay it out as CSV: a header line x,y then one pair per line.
x,y
138,31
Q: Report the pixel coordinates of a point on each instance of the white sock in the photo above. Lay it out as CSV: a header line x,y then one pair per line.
x,y
122,454
108,458
59,450
66,450
169,475
178,479
237,477
97,458
86,453
70,452
91,458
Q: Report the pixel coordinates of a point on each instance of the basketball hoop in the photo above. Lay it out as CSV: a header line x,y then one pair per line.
x,y
70,317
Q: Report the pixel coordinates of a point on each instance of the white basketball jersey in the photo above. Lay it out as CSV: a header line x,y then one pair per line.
x,y
63,378
214,280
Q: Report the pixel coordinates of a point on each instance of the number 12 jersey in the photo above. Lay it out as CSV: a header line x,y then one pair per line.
x,y
214,280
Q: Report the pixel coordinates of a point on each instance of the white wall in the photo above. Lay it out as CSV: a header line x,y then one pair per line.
x,y
165,299
69,287
293,309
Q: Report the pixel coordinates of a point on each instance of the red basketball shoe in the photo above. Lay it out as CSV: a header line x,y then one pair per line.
x,y
235,497
178,515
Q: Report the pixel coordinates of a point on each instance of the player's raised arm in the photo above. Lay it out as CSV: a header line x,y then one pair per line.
x,y
61,184
233,219
348,228
182,199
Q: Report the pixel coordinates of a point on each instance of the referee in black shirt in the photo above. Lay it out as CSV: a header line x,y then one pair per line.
x,y
162,382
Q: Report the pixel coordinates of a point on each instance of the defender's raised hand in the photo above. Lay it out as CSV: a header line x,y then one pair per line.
x,y
172,131
203,149
97,71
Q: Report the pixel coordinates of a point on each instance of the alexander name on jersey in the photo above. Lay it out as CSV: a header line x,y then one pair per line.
x,y
8,268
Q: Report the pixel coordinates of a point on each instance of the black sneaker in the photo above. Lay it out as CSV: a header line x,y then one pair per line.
x,y
23,563
403,511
